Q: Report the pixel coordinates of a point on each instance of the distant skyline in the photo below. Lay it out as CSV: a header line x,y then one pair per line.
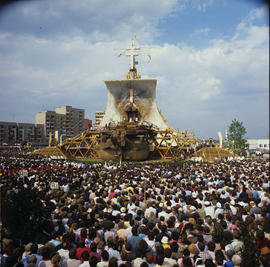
x,y
211,58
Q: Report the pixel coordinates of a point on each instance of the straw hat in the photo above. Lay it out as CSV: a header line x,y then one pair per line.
x,y
164,240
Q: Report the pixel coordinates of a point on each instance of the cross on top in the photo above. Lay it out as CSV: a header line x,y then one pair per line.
x,y
132,53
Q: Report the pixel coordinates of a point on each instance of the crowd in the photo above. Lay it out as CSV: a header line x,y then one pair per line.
x,y
140,215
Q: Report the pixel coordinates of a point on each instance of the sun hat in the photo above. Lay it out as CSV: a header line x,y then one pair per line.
x,y
123,209
164,240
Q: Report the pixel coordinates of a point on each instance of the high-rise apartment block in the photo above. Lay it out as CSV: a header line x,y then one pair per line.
x,y
73,121
13,132
66,121
49,120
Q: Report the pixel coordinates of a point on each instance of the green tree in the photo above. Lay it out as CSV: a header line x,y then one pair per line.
x,y
235,139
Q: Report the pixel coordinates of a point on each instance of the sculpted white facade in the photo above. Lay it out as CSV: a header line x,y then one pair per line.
x,y
141,93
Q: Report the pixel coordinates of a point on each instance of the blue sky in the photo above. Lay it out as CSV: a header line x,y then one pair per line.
x,y
197,24
211,58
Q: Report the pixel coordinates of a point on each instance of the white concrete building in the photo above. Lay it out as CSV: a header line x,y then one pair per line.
x,y
261,144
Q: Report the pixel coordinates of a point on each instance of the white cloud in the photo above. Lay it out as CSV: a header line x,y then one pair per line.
x,y
208,88
257,13
203,5
200,5
203,30
225,80
99,20
194,85
247,24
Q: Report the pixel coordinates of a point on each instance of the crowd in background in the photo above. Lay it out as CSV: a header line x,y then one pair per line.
x,y
140,215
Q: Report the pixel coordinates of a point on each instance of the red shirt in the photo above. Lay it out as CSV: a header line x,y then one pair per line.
x,y
96,254
80,251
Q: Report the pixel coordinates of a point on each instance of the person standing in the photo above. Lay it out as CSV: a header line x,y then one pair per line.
x,y
72,261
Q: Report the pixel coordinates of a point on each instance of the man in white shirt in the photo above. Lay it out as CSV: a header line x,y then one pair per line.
x,y
164,213
168,261
209,210
151,208
112,252
63,252
105,259
72,261
85,258
218,210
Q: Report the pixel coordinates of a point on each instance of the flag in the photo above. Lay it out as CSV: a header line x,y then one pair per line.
x,y
149,58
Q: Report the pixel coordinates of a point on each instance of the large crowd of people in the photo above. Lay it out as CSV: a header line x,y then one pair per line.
x,y
140,215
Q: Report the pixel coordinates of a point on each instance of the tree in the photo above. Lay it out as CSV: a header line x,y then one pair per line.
x,y
235,139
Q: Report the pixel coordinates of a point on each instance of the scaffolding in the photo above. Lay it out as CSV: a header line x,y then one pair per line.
x,y
171,145
166,144
82,146
210,154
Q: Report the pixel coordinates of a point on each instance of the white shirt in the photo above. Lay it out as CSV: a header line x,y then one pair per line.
x,y
218,211
169,262
233,209
149,210
43,263
103,264
164,214
209,211
137,262
71,263
129,232
63,253
85,264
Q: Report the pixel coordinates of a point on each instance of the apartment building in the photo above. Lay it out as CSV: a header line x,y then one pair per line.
x,y
99,114
66,121
69,120
13,132
63,122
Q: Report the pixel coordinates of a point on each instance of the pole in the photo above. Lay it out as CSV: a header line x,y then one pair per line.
x,y
61,138
144,193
